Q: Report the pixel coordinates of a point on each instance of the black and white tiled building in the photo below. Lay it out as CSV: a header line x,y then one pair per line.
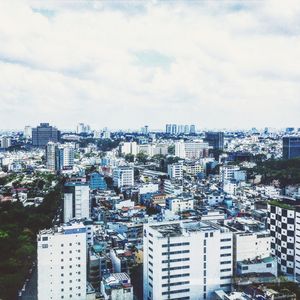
x,y
284,225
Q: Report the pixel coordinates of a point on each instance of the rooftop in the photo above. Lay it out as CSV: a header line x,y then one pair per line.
x,y
182,228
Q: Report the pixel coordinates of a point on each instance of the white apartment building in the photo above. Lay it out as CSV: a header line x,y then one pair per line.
x,y
186,260
172,188
129,148
227,172
68,155
61,263
191,149
179,204
76,201
175,171
51,156
123,176
148,188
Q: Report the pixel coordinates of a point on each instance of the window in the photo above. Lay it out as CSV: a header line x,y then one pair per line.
x,y
44,238
44,246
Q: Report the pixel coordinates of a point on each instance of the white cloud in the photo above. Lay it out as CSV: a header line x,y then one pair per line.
x,y
125,64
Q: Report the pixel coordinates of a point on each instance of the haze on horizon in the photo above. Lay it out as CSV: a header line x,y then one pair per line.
x,y
124,64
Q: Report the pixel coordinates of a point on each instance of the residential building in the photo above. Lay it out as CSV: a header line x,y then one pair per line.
x,y
61,262
52,161
180,204
123,176
76,201
186,260
175,171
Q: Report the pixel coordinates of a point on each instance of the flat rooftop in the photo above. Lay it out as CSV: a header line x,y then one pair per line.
x,y
182,228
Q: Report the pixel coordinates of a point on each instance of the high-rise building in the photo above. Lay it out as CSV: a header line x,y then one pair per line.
x,y
52,156
43,134
291,147
76,201
283,223
186,260
5,142
27,132
68,156
192,129
123,176
168,128
61,262
215,139
186,129
174,129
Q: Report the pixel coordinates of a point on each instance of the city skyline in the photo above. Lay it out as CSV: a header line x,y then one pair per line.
x,y
213,64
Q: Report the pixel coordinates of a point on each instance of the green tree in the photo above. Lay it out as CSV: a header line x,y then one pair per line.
x,y
142,157
129,157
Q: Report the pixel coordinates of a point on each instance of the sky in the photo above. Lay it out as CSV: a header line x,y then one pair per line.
x,y
125,64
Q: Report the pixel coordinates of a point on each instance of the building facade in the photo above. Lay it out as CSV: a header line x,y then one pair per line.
x,y
61,263
186,260
43,134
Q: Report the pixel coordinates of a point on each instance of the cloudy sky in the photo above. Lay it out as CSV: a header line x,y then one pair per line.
x,y
123,64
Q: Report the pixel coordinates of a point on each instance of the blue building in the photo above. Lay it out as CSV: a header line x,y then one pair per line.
x,y
97,181
291,147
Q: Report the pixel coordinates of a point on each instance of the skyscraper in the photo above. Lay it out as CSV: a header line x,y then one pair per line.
x,y
291,147
215,139
168,128
52,158
61,262
76,201
192,129
43,134
174,129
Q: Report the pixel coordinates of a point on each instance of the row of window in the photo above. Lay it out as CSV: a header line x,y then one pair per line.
x,y
175,283
176,244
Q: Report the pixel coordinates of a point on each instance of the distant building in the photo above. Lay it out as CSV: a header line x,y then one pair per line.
x,y
76,201
191,149
215,140
61,262
291,147
43,134
192,129
168,128
28,132
52,156
5,142
174,129
97,181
